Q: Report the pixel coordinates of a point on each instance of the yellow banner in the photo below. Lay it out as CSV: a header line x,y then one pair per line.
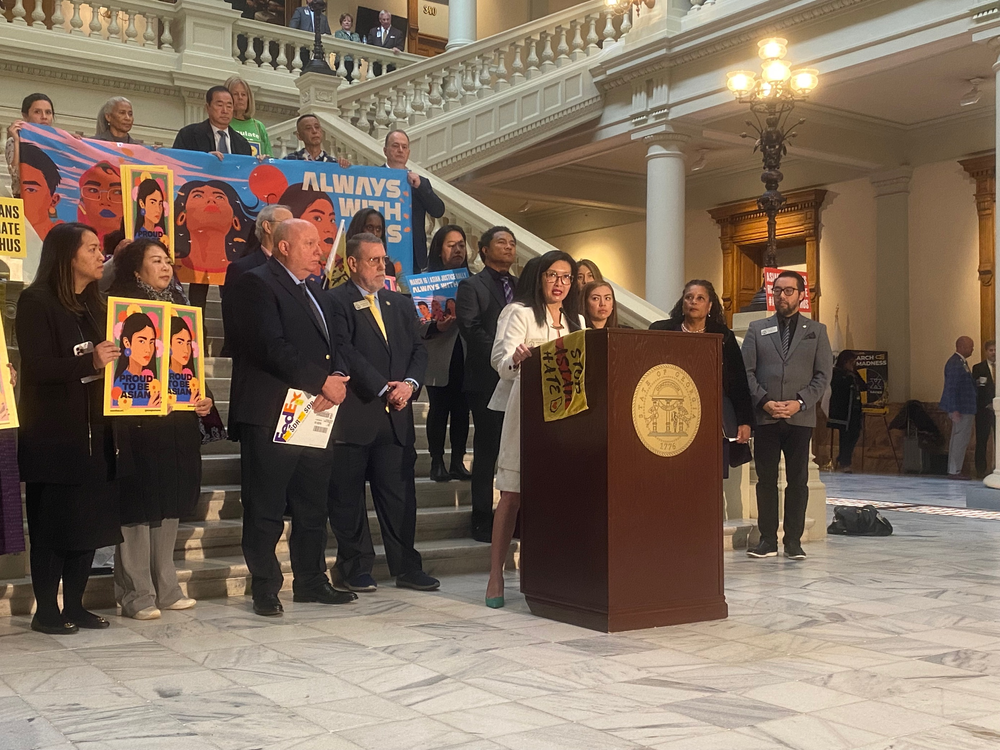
x,y
564,367
12,237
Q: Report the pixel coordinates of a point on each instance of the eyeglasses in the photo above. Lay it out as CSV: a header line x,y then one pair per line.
x,y
93,192
785,291
381,260
558,278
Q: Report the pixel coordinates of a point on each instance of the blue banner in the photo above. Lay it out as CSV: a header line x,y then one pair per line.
x,y
434,293
215,203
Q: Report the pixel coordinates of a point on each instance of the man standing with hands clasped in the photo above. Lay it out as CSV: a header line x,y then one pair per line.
x,y
285,339
959,400
374,436
789,362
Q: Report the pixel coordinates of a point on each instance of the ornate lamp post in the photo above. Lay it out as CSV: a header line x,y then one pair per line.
x,y
772,98
318,63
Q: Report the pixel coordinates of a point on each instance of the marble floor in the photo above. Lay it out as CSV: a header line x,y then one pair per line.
x,y
874,644
895,488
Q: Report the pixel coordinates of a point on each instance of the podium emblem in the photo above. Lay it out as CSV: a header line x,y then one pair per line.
x,y
666,410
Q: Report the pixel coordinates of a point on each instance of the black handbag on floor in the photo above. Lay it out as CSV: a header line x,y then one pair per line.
x,y
864,521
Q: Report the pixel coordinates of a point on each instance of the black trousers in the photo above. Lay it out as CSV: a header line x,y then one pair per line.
x,y
485,450
388,466
198,294
274,475
985,423
48,567
848,441
449,400
770,441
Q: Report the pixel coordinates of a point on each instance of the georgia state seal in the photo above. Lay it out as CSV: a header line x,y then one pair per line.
x,y
666,410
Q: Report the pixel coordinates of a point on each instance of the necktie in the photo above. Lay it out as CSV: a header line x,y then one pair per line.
x,y
786,336
312,307
223,142
508,289
377,314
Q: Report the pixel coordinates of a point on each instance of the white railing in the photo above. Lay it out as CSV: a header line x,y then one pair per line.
x,y
462,76
461,209
144,23
278,47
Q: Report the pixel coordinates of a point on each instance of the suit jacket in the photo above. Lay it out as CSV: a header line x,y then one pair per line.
x,y
478,303
734,373
392,38
985,387
959,388
303,18
279,343
199,137
374,362
233,271
801,374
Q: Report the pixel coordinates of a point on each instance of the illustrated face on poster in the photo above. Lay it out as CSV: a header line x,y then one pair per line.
x,y
317,208
136,382
186,364
212,223
148,203
40,179
101,198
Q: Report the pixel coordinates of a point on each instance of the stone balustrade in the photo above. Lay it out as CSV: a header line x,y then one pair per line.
x,y
144,23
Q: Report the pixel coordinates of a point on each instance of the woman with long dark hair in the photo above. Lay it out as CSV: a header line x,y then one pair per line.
x,y
600,308
167,480
135,370
368,220
70,456
699,310
446,364
152,215
846,387
545,307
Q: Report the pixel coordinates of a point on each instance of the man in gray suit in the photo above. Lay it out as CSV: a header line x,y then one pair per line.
x,y
788,361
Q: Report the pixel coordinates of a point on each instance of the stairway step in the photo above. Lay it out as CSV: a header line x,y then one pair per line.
x,y
224,468
420,408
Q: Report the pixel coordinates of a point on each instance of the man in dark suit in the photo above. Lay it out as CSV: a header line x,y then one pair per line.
x,y
373,436
959,399
789,363
304,18
214,136
284,337
385,35
424,199
985,376
478,303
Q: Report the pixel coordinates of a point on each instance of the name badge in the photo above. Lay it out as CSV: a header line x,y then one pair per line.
x,y
363,304
766,331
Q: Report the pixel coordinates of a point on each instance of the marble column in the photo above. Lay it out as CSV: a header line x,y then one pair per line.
x,y
461,23
993,480
665,178
892,269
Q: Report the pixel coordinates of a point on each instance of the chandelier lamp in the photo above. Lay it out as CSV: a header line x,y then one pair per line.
x,y
621,7
771,96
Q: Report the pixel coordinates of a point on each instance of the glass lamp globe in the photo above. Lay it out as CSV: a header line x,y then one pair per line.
x,y
740,81
772,49
804,80
776,71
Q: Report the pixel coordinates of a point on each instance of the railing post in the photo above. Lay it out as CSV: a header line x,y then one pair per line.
x,y
318,94
206,39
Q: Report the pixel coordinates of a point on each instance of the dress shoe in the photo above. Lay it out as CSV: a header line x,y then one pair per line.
x,y
61,628
418,580
182,603
324,594
459,472
87,620
482,533
438,472
268,605
363,582
149,613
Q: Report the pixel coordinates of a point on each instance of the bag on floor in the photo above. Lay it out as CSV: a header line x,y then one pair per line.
x,y
864,521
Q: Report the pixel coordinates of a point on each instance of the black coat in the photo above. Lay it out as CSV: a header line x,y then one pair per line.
x,y
374,362
279,342
233,271
392,38
845,397
986,392
478,303
302,19
199,137
734,373
425,201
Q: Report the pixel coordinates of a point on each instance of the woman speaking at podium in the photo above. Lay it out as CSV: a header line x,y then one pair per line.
x,y
546,306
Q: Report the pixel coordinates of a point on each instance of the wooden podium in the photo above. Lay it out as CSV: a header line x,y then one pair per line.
x,y
613,536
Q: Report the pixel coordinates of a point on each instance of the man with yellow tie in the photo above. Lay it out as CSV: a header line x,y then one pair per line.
x,y
373,434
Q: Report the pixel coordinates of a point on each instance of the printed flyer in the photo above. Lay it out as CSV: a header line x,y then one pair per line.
x,y
186,380
136,382
434,293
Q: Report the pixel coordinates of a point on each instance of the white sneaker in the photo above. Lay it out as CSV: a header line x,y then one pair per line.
x,y
184,603
149,613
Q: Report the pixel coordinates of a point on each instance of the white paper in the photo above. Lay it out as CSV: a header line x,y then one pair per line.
x,y
299,424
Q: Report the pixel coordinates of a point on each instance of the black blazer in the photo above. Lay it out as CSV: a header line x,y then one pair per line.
x,y
304,20
279,342
233,271
199,137
734,373
478,303
374,362
984,393
393,38
57,412
425,201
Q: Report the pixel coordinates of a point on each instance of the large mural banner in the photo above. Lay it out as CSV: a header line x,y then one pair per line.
x,y
215,202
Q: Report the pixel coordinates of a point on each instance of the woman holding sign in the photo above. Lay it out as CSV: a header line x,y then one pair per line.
x,y
167,481
546,306
70,456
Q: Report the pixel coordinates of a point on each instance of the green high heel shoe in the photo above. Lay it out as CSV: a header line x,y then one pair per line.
x,y
494,602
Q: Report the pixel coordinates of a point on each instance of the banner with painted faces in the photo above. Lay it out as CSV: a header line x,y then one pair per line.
x,y
186,371
135,383
215,203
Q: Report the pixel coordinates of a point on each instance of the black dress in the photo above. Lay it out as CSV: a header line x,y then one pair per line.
x,y
69,454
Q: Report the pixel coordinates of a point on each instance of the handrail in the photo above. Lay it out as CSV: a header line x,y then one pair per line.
x,y
460,208
144,23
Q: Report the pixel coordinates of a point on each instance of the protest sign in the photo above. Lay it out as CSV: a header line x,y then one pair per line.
x,y
186,369
135,383
12,233
770,274
434,293
148,203
564,370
